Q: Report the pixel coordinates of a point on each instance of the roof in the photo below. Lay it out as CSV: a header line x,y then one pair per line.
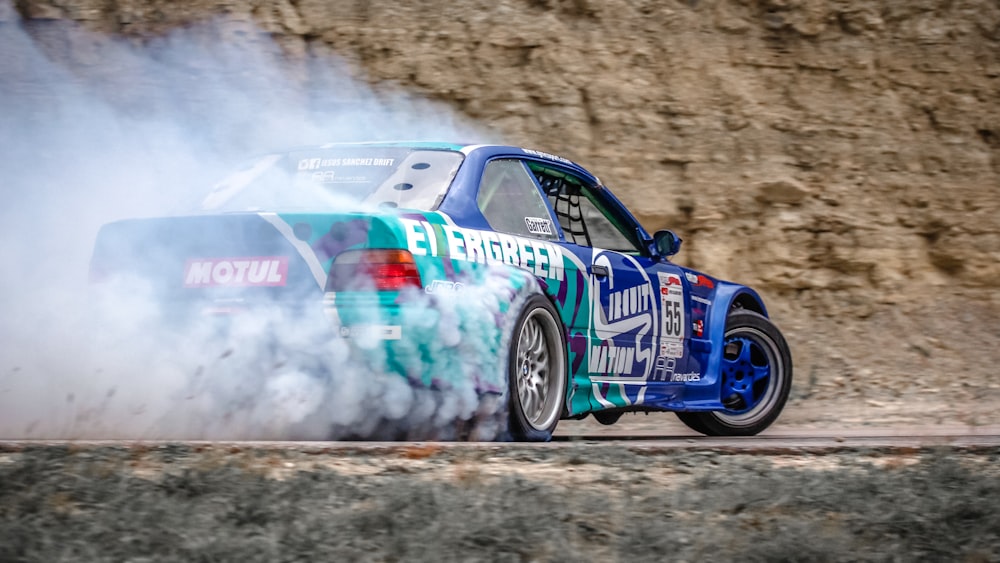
x,y
433,145
484,151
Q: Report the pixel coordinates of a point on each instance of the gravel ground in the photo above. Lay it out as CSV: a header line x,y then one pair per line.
x,y
574,502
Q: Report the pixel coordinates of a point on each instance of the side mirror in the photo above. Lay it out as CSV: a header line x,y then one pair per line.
x,y
667,243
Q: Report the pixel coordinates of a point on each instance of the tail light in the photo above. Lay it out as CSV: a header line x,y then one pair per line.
x,y
373,269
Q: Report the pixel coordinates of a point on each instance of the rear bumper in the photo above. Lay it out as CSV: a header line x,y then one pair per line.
x,y
438,344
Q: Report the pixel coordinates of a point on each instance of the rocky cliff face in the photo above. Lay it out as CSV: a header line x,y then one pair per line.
x,y
843,157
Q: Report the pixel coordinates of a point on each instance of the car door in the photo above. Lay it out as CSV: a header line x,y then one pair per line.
x,y
636,327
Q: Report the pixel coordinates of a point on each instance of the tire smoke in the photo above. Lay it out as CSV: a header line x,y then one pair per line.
x,y
96,128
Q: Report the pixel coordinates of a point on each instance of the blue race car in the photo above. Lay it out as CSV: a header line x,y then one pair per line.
x,y
511,272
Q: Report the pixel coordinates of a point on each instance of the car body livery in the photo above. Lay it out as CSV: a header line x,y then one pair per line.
x,y
399,246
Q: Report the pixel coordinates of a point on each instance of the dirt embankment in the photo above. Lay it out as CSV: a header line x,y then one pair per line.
x,y
843,157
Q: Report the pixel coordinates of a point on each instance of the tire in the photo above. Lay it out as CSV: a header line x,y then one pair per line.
x,y
536,371
755,379
607,418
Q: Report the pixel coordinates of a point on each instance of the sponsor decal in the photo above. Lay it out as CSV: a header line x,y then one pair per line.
x,y
485,247
699,280
317,163
671,306
671,325
699,328
664,371
701,300
221,311
538,226
262,271
443,286
325,176
623,317
372,332
608,358
627,303
547,155
686,377
671,348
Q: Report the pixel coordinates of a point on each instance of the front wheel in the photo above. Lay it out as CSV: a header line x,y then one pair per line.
x,y
536,371
755,378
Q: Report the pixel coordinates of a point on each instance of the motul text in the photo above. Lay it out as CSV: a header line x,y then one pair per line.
x,y
241,272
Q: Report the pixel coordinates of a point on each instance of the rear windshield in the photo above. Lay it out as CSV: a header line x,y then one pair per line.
x,y
339,178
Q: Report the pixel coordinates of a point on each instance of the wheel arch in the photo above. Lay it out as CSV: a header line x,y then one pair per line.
x,y
745,298
728,296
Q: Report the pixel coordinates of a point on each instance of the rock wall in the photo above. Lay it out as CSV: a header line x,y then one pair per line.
x,y
802,145
843,156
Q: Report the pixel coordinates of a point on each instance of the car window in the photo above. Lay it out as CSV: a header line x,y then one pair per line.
x,y
511,203
581,213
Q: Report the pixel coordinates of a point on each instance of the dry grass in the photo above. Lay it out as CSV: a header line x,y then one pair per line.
x,y
579,502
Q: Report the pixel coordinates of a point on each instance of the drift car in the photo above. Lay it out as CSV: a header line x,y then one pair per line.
x,y
424,255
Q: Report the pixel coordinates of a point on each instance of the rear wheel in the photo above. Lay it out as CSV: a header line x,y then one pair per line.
x,y
536,371
755,379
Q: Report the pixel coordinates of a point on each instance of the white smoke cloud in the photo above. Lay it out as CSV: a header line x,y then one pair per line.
x,y
94,129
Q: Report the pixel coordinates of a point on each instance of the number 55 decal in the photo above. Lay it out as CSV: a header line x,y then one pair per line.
x,y
671,306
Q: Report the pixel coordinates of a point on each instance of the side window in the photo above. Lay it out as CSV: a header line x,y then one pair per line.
x,y
583,219
511,202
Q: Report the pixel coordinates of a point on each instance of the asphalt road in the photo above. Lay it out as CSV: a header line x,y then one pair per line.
x,y
776,440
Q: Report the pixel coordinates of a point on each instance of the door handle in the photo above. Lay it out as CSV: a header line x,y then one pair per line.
x,y
599,271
